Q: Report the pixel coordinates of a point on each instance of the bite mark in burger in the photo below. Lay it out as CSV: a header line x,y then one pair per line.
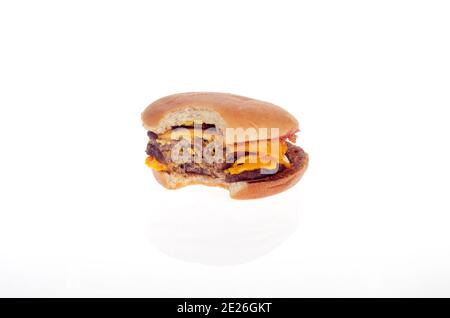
x,y
190,143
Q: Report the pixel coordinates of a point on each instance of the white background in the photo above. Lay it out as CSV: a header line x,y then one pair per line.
x,y
81,215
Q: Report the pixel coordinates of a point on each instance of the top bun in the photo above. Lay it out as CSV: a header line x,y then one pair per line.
x,y
221,109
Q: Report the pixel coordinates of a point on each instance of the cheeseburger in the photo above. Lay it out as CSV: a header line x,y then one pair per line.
x,y
217,139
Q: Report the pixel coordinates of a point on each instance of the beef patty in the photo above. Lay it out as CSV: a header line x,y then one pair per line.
x,y
295,154
296,157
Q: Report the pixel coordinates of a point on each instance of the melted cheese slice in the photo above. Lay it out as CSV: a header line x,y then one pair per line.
x,y
251,162
264,159
263,147
155,164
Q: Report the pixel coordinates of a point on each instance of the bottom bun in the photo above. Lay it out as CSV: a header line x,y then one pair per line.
x,y
243,190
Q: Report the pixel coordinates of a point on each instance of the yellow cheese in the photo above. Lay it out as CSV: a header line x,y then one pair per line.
x,y
264,159
191,123
155,164
263,147
251,162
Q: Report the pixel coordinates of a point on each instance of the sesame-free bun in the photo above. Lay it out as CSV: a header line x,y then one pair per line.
x,y
244,190
221,109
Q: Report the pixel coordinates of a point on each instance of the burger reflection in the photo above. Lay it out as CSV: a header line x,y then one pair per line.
x,y
219,231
